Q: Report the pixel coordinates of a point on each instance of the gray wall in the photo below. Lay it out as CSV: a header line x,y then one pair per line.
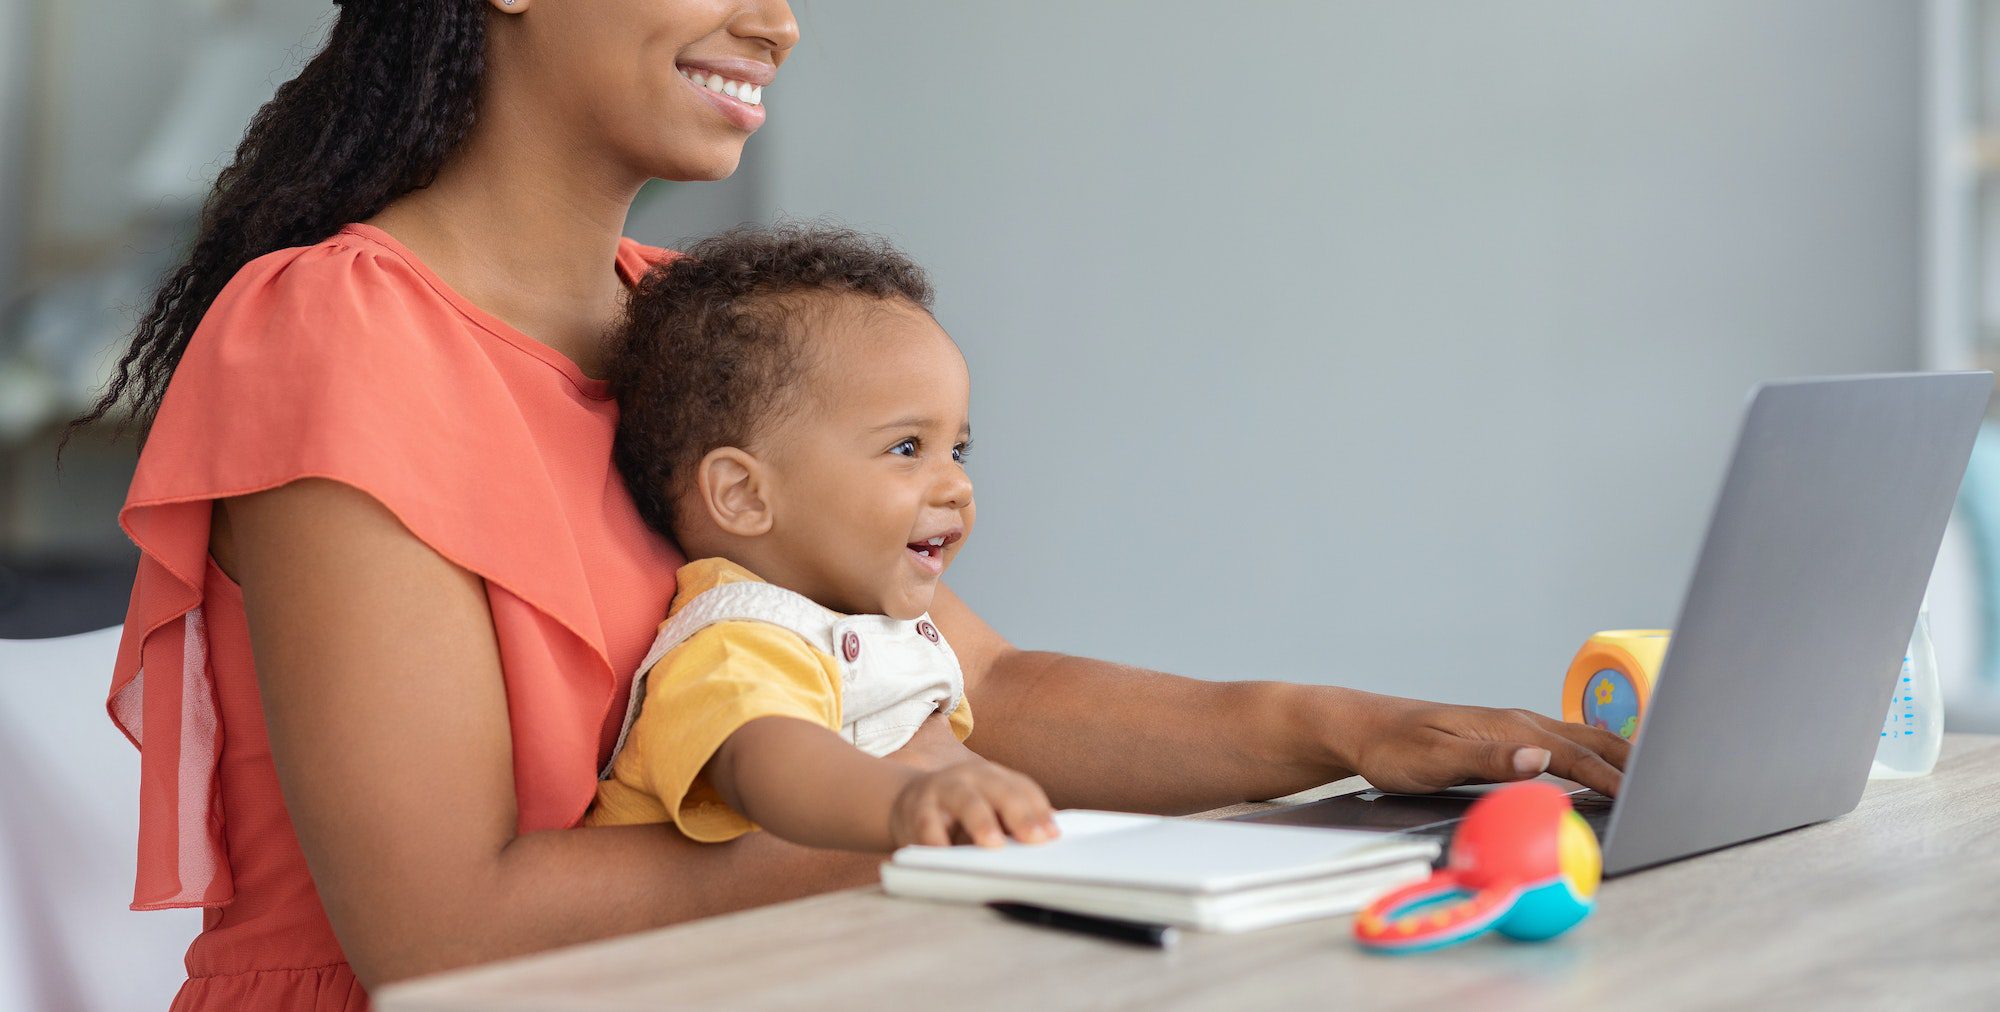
x,y
1395,345
14,78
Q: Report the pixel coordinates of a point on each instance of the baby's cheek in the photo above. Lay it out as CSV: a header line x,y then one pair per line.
x,y
970,514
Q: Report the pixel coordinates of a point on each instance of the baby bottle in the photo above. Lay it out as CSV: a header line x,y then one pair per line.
x,y
1913,730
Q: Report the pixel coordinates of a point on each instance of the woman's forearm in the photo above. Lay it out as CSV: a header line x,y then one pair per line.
x,y
1101,735
1097,734
561,887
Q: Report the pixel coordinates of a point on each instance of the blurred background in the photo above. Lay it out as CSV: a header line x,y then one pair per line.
x,y
1391,345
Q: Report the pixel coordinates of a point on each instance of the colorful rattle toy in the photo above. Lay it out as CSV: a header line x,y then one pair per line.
x,y
1611,679
1523,863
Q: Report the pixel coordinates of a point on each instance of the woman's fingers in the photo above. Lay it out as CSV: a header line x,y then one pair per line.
x,y
1613,749
1494,761
1575,762
1590,756
1505,761
1431,746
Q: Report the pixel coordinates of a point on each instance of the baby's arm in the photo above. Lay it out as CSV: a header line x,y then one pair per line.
x,y
810,786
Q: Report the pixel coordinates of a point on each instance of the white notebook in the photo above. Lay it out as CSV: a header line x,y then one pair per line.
x,y
1208,875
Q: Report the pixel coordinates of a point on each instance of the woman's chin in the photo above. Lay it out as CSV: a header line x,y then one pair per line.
x,y
694,167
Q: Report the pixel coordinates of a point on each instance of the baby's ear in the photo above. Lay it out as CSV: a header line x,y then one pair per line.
x,y
731,487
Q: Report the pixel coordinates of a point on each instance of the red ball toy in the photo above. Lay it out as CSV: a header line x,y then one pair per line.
x,y
1522,863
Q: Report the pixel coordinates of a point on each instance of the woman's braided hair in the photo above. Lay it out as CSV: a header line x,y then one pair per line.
x,y
373,116
714,344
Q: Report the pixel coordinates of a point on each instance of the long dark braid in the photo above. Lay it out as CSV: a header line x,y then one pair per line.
x,y
373,116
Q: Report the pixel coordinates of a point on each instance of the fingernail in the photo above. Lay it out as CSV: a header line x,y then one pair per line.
x,y
1530,761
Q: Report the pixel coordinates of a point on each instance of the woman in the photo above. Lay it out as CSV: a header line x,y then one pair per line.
x,y
391,591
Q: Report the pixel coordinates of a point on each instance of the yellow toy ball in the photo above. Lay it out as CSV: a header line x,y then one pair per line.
x,y
1612,679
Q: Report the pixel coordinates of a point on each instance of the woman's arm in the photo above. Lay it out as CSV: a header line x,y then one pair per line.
x,y
388,724
1100,735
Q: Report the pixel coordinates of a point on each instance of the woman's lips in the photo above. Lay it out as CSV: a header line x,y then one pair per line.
x,y
743,115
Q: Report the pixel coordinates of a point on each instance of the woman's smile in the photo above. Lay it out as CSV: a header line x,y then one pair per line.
x,y
734,87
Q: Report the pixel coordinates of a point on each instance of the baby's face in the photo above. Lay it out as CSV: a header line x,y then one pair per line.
x,y
869,471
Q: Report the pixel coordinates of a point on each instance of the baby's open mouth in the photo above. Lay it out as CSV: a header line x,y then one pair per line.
x,y
929,551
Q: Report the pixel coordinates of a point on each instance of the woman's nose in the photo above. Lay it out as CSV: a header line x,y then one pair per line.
x,y
770,20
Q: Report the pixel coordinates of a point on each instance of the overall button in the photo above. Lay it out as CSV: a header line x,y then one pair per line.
x,y
928,630
850,646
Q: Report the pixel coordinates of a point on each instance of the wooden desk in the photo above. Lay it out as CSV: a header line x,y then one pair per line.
x,y
1894,905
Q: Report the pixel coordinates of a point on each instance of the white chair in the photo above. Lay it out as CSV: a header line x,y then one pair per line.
x,y
69,816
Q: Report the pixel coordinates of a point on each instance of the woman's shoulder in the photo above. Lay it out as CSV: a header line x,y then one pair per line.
x,y
366,293
355,287
361,268
354,263
342,354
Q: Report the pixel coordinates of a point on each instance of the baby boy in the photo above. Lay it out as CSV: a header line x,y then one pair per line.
x,y
796,421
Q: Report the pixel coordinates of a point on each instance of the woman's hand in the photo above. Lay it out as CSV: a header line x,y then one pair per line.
x,y
978,801
1416,746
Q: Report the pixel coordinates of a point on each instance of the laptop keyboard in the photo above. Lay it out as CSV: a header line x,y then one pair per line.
x,y
1594,808
1428,816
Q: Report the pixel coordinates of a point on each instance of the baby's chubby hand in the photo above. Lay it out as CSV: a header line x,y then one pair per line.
x,y
985,802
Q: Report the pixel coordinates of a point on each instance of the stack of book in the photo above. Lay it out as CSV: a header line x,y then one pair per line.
x,y
1210,876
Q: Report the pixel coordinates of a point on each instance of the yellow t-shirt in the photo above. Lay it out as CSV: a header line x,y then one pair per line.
x,y
700,693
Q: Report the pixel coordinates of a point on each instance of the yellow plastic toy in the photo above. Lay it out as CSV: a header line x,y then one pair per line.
x,y
1612,678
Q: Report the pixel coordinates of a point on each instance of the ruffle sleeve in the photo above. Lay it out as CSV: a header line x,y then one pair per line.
x,y
340,361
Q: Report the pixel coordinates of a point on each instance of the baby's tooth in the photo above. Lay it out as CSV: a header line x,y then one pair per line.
x,y
715,82
729,88
757,95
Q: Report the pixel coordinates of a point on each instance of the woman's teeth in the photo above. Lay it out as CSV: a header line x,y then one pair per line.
x,y
746,93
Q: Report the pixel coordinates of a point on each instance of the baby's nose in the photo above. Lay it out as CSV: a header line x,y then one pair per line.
x,y
956,491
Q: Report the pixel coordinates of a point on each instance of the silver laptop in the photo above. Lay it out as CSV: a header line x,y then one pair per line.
x,y
1792,634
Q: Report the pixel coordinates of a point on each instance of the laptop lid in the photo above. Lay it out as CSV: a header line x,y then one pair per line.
x,y
1771,696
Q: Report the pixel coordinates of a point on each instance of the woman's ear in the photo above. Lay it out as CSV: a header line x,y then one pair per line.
x,y
733,487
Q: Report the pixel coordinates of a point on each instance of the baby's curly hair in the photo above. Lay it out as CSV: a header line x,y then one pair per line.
x,y
712,344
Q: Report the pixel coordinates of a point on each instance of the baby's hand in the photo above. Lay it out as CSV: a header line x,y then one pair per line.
x,y
986,803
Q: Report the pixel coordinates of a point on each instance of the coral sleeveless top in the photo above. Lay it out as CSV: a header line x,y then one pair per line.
x,y
350,360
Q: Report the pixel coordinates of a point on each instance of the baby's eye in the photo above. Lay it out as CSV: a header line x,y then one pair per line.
x,y
911,442
961,451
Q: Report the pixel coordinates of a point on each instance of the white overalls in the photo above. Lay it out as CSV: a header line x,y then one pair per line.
x,y
894,673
